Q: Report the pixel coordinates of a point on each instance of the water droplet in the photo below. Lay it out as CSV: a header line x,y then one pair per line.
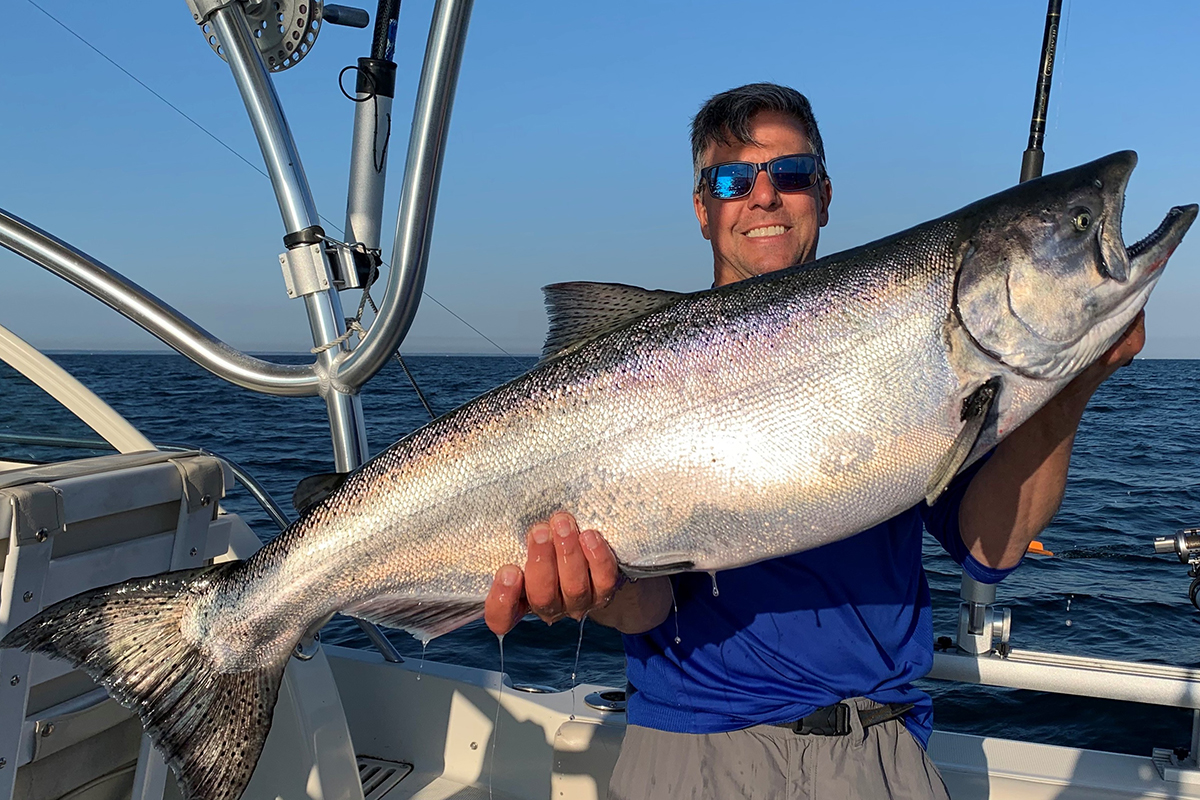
x,y
421,666
1070,597
1068,623
578,648
674,609
575,667
716,591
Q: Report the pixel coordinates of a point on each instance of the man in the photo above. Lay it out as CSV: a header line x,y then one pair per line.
x,y
740,692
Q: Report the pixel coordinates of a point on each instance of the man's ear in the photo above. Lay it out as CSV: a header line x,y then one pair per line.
x,y
826,193
701,214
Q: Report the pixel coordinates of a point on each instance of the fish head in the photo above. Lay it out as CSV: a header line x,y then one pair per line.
x,y
1045,284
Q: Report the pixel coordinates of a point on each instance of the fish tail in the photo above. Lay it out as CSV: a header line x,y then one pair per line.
x,y
209,724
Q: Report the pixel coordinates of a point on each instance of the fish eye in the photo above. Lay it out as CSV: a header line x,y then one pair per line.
x,y
1082,220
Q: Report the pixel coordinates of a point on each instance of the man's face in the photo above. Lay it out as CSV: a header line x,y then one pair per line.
x,y
767,229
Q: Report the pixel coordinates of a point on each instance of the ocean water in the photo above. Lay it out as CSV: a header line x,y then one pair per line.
x,y
1135,475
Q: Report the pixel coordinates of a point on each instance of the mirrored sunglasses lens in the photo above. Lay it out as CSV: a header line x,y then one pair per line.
x,y
731,180
795,173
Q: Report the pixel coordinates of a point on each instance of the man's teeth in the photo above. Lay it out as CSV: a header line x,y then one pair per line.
x,y
772,230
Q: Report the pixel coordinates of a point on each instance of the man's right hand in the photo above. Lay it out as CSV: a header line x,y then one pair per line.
x,y
572,574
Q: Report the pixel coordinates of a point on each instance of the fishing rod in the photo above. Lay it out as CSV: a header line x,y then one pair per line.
x,y
982,626
1184,544
1034,157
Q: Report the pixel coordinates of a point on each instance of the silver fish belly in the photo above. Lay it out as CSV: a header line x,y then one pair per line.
x,y
702,431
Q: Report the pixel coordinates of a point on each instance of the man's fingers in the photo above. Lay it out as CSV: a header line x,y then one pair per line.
x,y
1129,345
602,566
505,603
573,577
1134,339
541,574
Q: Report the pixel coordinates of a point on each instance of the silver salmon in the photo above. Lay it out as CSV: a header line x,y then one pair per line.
x,y
697,431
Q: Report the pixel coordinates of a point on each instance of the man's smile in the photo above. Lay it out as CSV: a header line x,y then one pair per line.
x,y
766,230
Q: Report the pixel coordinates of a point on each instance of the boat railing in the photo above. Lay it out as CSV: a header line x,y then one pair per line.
x,y
339,370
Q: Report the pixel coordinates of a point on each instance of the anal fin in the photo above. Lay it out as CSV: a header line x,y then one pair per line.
x,y
661,566
975,409
425,617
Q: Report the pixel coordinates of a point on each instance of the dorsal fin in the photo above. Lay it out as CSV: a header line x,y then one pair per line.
x,y
582,310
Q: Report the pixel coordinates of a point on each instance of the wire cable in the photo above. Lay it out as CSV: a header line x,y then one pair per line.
x,y
139,82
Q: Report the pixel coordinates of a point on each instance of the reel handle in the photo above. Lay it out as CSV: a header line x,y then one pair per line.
x,y
348,16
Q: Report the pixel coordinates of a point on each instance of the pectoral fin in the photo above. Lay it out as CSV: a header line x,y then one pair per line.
x,y
974,414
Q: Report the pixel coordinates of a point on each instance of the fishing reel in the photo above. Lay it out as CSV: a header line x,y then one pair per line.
x,y
1186,545
283,30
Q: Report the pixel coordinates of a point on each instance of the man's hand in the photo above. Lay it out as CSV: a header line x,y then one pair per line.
x,y
567,573
1119,355
570,574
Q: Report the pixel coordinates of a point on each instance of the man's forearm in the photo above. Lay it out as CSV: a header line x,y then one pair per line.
x,y
637,606
1017,492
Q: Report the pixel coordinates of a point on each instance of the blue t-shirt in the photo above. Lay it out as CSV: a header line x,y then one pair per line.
x,y
785,637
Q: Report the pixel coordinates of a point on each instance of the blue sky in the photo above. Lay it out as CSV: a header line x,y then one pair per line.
x,y
568,156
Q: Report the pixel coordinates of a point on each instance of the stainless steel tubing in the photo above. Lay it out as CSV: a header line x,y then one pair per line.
x,y
266,115
325,318
1155,684
418,194
347,427
140,306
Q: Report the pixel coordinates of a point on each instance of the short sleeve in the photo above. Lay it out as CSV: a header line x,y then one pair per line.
x,y
941,520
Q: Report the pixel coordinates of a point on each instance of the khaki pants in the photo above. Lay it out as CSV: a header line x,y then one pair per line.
x,y
881,762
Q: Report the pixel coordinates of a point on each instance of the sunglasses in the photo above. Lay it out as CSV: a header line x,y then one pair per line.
x,y
735,179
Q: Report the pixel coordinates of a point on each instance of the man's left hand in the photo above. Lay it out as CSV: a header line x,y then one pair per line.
x,y
1015,494
1119,355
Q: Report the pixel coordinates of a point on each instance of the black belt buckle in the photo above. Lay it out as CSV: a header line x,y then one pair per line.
x,y
828,721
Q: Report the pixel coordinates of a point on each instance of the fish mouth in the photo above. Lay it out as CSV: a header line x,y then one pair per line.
x,y
1148,254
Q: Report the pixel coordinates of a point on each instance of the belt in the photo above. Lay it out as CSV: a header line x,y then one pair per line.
x,y
834,720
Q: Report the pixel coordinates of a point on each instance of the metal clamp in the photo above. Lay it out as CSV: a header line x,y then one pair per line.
x,y
305,270
284,30
982,627
203,9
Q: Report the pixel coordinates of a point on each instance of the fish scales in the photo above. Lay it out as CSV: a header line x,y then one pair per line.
x,y
701,431
725,429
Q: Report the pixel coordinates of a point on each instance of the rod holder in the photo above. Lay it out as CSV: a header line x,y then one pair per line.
x,y
982,627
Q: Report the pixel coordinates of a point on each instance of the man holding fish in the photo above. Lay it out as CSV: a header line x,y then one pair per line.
x,y
795,679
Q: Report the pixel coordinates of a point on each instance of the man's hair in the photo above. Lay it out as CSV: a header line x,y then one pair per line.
x,y
728,114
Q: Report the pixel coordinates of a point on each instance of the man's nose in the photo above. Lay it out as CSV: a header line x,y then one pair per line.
x,y
763,194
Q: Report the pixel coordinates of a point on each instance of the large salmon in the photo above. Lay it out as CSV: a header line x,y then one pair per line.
x,y
696,431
